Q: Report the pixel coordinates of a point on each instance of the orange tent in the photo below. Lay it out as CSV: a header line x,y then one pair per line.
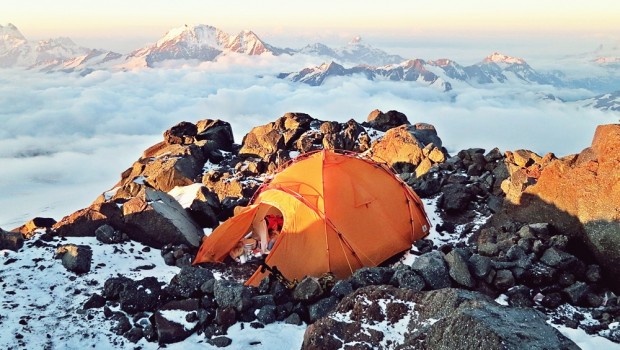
x,y
341,212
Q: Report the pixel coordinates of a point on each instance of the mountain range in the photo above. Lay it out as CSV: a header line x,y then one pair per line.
x,y
207,43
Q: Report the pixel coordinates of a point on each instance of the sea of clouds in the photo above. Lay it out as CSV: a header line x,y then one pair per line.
x,y
65,138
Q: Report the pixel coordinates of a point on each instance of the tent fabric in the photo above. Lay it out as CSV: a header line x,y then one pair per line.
x,y
341,212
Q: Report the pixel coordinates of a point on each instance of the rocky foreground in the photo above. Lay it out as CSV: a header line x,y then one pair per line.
x,y
538,234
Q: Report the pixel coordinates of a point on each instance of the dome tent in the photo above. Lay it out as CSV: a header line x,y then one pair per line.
x,y
341,212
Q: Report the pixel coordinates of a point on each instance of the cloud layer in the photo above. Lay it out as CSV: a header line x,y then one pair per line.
x,y
66,138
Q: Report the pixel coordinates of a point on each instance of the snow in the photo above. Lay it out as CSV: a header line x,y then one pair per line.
x,y
586,341
185,195
178,317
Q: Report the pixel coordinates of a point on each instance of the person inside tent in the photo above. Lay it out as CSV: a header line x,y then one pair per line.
x,y
266,228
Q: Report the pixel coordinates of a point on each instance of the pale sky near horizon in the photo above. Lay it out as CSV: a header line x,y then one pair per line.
x,y
117,24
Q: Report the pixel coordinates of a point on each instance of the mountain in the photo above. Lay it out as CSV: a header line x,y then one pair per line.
x,y
355,52
202,43
495,68
605,102
51,54
411,70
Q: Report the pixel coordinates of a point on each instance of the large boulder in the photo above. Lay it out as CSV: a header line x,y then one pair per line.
x,y
385,121
216,132
156,219
266,140
415,145
11,240
86,221
75,258
378,315
31,226
182,133
579,196
172,320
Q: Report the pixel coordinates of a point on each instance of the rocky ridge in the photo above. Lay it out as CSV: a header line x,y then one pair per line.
x,y
488,246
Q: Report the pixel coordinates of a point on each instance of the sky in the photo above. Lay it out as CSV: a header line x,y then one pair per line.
x,y
125,25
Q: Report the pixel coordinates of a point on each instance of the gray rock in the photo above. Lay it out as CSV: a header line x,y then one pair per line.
x,y
432,268
187,283
342,288
293,319
267,314
262,300
75,258
232,294
504,279
155,218
455,198
557,258
491,326
594,273
309,289
407,278
367,276
170,330
11,240
108,235
220,342
458,270
321,308
479,265
94,302
113,286
141,295
576,293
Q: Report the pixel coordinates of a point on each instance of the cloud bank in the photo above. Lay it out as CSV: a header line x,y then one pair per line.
x,y
66,138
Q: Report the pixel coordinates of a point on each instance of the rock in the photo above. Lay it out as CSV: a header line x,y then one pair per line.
x,y
342,288
409,279
156,219
120,323
262,300
321,308
86,221
458,269
432,267
266,314
480,265
232,294
171,321
503,280
552,300
187,283
405,145
577,194
141,295
205,208
594,274
134,335
434,320
576,293
309,289
293,319
225,317
108,235
217,132
266,140
113,286
557,258
182,133
455,198
94,302
220,342
38,223
385,121
75,258
225,185
367,276
491,326
11,240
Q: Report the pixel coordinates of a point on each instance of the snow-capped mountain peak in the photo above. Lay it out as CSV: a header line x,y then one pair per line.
x,y
356,40
500,58
10,31
196,35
